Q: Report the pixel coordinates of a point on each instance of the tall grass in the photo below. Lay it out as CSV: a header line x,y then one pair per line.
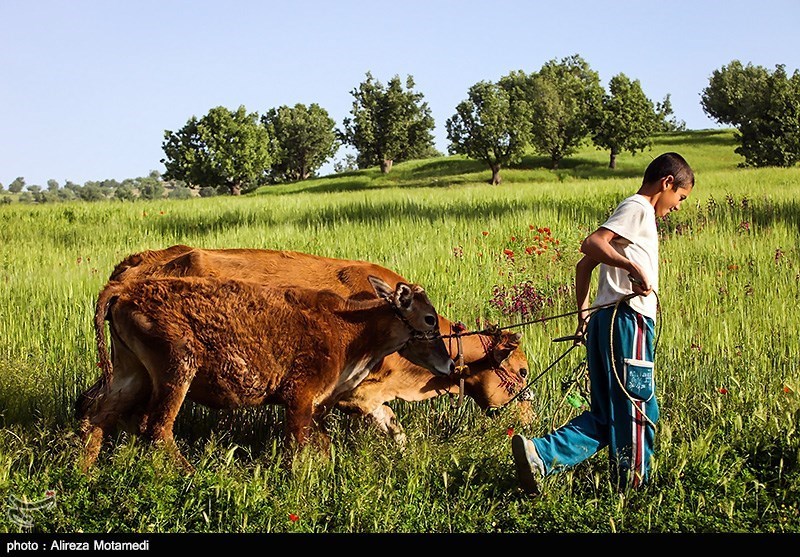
x,y
727,441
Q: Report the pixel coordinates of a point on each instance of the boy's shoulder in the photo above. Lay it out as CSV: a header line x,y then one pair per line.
x,y
635,201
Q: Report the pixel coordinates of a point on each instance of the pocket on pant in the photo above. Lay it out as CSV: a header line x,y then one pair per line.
x,y
639,378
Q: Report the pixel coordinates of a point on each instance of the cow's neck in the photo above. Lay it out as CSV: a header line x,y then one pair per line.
x,y
370,330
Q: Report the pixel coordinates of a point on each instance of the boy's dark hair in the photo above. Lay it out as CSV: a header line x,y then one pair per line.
x,y
666,164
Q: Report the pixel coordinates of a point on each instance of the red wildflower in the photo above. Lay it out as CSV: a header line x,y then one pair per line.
x,y
509,253
531,227
513,238
99,364
49,493
540,230
723,391
529,250
293,517
510,432
787,389
485,233
733,267
546,230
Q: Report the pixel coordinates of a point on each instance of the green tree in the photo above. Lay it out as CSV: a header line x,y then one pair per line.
x,y
124,192
223,148
490,127
565,98
34,189
303,139
627,119
764,107
666,120
52,185
389,123
17,185
91,191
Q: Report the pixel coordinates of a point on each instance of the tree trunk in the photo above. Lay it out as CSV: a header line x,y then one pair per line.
x,y
236,189
495,175
386,166
612,161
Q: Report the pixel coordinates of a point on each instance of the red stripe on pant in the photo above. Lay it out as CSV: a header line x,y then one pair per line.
x,y
638,413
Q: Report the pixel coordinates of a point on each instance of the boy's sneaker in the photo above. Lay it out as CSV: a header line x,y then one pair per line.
x,y
530,467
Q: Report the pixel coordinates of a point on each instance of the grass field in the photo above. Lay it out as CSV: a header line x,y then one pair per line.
x,y
727,442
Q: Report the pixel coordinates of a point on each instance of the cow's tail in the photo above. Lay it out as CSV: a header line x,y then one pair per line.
x,y
104,300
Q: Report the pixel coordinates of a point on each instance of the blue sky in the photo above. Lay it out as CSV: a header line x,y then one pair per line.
x,y
87,87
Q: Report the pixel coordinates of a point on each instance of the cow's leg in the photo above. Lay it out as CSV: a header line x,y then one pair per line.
x,y
384,419
169,392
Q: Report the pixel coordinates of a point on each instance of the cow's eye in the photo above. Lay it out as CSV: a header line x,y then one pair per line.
x,y
430,320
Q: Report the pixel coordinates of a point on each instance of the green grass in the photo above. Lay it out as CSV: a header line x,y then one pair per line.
x,y
727,443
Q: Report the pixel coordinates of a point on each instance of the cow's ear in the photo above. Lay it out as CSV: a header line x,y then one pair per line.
x,y
405,296
504,348
381,288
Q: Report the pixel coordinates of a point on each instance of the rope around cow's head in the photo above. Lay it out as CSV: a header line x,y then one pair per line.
x,y
495,331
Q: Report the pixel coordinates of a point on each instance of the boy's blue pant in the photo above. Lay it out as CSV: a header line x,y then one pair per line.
x,y
612,420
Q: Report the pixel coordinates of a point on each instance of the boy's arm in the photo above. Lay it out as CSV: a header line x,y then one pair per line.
x,y
597,246
583,275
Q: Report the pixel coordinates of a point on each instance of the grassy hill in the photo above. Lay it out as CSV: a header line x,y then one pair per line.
x,y
727,440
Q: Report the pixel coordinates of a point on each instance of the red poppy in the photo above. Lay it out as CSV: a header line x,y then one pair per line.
x,y
513,238
485,233
530,226
529,250
509,253
787,389
546,230
510,432
723,391
293,517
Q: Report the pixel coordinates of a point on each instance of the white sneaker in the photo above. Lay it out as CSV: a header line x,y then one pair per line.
x,y
530,467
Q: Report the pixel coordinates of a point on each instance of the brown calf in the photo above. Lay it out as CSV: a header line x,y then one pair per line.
x,y
497,367
233,343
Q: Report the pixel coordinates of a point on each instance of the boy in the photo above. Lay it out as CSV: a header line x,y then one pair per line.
x,y
626,249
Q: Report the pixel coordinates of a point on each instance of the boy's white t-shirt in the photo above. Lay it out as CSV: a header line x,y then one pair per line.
x,y
634,220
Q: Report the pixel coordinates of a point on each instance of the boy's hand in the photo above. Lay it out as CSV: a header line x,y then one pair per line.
x,y
639,283
580,332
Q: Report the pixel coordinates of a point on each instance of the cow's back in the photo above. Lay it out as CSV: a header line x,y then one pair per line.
x,y
281,268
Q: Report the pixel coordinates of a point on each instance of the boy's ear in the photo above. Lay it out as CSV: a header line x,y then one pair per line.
x,y
667,182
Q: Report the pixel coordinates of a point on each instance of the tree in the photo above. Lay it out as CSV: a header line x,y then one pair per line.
x,y
627,119
1,188
52,185
124,192
223,148
303,139
763,105
565,99
666,121
489,127
17,185
389,124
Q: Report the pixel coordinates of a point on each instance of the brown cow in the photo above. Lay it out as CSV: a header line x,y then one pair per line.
x,y
233,343
497,367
